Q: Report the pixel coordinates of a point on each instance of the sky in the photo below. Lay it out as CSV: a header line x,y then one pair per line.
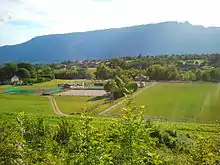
x,y
21,20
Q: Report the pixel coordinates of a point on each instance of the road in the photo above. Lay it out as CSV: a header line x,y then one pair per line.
x,y
55,107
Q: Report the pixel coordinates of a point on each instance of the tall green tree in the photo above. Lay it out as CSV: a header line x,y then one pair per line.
x,y
103,72
116,62
111,86
23,73
10,69
2,75
156,72
29,67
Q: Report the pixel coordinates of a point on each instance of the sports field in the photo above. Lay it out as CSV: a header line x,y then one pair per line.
x,y
192,102
32,105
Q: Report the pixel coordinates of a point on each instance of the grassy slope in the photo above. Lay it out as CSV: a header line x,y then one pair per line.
x,y
177,101
29,104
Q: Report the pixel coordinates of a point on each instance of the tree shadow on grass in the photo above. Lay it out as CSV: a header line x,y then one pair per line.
x,y
98,98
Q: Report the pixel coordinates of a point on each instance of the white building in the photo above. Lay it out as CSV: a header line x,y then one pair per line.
x,y
15,80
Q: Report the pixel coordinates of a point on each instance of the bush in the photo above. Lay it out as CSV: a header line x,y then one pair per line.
x,y
118,94
132,87
34,81
172,133
99,84
169,141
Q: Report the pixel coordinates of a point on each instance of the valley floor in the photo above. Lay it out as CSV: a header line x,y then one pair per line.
x,y
183,102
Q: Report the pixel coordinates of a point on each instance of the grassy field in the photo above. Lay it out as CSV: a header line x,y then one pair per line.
x,y
191,102
93,70
31,105
186,102
49,84
78,104
74,104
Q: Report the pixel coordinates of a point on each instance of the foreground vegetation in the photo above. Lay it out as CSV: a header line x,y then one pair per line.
x,y
130,140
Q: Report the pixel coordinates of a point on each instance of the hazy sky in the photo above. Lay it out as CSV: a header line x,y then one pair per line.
x,y
21,20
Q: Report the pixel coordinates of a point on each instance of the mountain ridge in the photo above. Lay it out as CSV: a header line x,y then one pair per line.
x,y
150,39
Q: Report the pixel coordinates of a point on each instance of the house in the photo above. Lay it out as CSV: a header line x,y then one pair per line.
x,y
15,80
141,85
67,86
142,78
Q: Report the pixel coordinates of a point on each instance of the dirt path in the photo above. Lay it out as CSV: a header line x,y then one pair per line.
x,y
55,107
121,102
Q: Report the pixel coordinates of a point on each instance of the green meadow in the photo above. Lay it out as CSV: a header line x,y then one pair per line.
x,y
77,104
30,104
185,102
193,102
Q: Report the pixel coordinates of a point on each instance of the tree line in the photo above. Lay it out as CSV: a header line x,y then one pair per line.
x,y
30,73
184,68
204,67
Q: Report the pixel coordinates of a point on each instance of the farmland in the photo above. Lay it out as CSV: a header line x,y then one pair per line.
x,y
185,102
193,102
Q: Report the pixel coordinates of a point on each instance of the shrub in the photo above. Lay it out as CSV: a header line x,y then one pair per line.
x,y
99,84
132,87
34,81
171,133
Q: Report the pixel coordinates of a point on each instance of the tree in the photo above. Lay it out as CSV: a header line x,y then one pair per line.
x,y
156,72
10,69
90,75
23,73
103,72
214,74
2,75
45,72
111,86
116,62
206,75
198,75
171,72
192,76
29,67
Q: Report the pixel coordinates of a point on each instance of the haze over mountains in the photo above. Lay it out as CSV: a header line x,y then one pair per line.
x,y
151,39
